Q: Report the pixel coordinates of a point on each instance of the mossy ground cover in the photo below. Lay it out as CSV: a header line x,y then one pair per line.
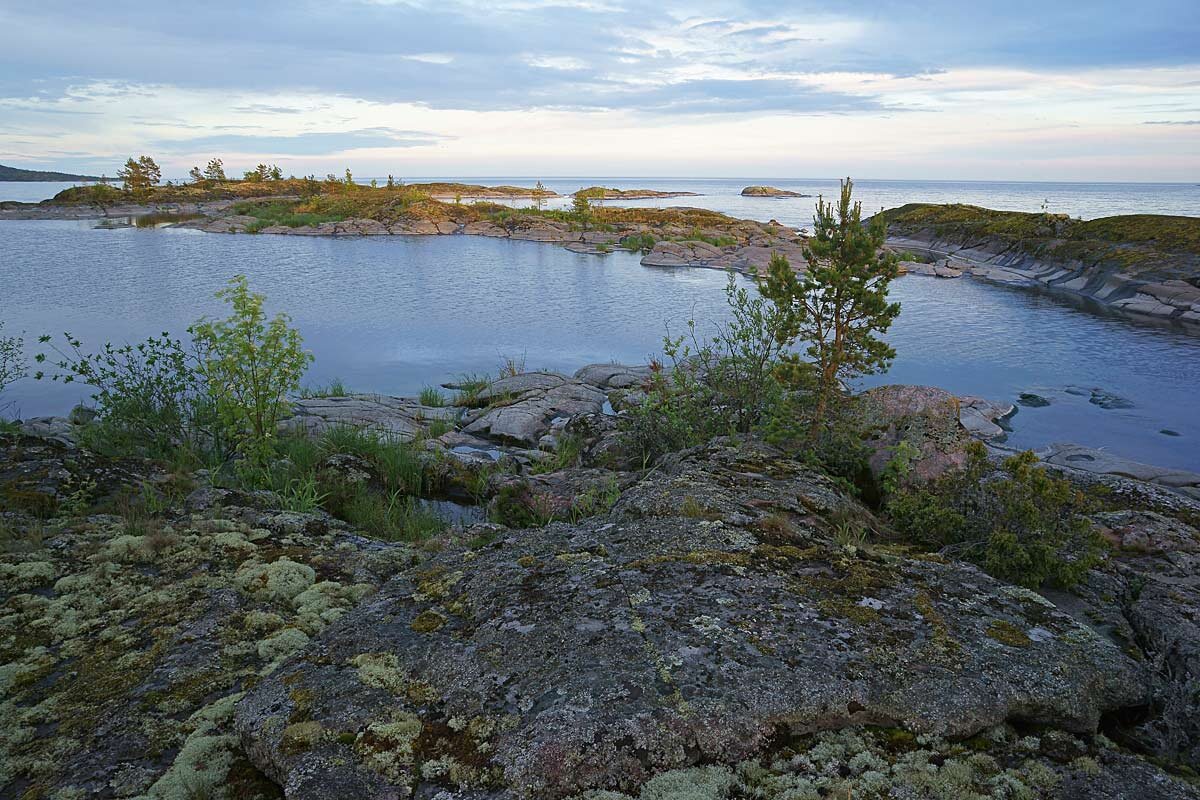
x,y
1152,243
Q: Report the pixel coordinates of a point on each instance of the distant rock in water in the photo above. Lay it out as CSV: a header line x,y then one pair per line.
x,y
630,194
770,191
33,175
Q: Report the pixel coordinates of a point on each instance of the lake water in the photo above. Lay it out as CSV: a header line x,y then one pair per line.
x,y
393,314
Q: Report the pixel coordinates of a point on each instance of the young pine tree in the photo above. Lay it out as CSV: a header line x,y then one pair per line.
x,y
840,305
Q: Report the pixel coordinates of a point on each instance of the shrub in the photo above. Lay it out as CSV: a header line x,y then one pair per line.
x,y
250,365
150,397
1021,524
725,385
12,359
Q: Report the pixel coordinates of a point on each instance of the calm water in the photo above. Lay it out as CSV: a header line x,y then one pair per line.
x,y
1086,200
392,314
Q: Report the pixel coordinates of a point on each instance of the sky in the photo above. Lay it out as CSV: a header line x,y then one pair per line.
x,y
962,90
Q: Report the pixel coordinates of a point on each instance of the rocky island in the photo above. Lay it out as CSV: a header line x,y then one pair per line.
x,y
603,193
770,191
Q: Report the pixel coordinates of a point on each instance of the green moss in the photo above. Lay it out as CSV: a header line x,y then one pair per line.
x,y
300,737
1007,633
428,622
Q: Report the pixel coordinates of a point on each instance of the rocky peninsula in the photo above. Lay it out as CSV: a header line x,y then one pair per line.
x,y
701,627
1143,264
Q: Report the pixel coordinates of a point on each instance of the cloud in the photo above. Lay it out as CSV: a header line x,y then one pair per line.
x,y
302,144
1172,122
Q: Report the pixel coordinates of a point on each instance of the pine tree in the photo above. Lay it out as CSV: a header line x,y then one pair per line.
x,y
840,305
215,171
539,193
139,176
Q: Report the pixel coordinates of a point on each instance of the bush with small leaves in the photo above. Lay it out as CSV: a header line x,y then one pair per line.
x,y
1020,523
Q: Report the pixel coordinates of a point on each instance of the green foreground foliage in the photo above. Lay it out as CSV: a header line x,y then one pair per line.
x,y
220,393
1019,523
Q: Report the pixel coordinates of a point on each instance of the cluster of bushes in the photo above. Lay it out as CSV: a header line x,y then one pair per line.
x,y
220,393
1019,522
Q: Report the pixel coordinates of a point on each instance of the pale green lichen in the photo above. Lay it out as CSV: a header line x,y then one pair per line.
x,y
281,645
27,575
388,747
280,581
381,671
129,549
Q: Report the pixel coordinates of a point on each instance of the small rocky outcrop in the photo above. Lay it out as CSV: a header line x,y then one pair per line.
x,y
770,191
604,193
400,417
1104,463
938,424
522,409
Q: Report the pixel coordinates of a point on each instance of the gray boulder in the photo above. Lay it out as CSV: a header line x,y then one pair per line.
x,y
526,407
399,417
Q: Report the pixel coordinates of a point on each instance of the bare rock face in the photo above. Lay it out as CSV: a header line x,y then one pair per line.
x,y
1147,599
399,417
599,654
613,376
924,416
527,406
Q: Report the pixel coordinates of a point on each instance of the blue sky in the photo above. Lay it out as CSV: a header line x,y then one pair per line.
x,y
1047,90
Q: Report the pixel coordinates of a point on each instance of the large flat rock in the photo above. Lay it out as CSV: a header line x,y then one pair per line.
x,y
400,417
592,656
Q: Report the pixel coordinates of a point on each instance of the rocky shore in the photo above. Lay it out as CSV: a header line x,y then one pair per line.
x,y
1146,266
705,631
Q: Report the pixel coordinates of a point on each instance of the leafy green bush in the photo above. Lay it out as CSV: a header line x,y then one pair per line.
x,y
12,359
639,242
150,397
250,366
1021,524
725,385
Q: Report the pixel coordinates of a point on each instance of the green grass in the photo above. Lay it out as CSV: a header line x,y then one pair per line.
x,y
470,384
432,397
643,242
283,212
401,467
335,388
565,455
394,517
